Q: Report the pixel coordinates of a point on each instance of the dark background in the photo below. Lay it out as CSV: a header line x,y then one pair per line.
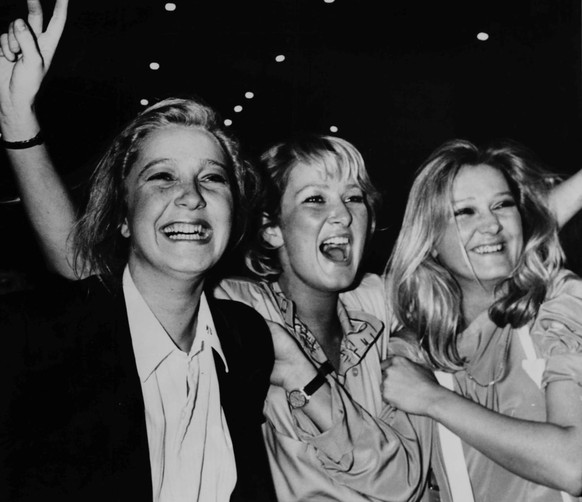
x,y
396,78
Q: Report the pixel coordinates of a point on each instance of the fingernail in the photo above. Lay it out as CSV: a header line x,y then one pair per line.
x,y
20,25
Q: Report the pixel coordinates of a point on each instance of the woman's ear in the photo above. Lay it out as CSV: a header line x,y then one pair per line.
x,y
271,232
124,228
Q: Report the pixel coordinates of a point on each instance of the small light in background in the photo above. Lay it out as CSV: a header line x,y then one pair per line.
x,y
482,36
154,66
227,122
144,102
238,108
249,95
280,58
333,129
170,7
329,1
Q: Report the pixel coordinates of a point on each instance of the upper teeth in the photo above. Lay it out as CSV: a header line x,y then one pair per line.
x,y
491,248
183,228
336,240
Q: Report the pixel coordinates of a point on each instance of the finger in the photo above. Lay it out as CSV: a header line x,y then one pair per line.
x,y
8,54
400,361
26,41
386,363
12,42
35,18
57,23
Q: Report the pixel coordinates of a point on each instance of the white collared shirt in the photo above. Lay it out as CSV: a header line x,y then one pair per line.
x,y
191,453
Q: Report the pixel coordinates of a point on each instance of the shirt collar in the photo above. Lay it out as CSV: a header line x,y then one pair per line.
x,y
206,329
360,330
151,344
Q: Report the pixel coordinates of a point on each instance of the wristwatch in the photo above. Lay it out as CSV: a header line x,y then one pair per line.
x,y
298,398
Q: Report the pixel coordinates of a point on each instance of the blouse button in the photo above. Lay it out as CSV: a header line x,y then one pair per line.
x,y
355,372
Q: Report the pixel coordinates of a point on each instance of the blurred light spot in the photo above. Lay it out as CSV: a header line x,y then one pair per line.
x,y
154,66
144,102
238,108
482,36
333,129
329,1
170,7
249,95
227,122
280,58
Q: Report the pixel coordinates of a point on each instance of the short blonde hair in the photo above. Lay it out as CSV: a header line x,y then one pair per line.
x,y
98,244
334,155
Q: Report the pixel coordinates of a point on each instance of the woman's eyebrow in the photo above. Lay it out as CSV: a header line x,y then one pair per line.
x,y
163,160
472,198
218,163
152,163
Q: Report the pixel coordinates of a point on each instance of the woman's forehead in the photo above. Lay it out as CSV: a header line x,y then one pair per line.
x,y
475,179
328,169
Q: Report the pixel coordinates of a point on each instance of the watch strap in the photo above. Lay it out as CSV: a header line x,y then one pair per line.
x,y
325,369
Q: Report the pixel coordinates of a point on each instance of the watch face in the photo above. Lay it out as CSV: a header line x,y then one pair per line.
x,y
297,398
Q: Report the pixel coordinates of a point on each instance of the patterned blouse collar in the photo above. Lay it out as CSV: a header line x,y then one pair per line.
x,y
360,331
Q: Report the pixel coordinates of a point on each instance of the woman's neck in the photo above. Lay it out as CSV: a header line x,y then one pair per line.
x,y
173,301
476,300
318,311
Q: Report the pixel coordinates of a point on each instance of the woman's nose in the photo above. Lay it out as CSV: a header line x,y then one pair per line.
x,y
490,223
340,214
190,196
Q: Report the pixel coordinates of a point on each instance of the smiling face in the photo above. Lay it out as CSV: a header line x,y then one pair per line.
x,y
322,230
179,204
486,224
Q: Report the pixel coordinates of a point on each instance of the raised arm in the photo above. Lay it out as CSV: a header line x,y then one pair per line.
x,y
26,52
565,199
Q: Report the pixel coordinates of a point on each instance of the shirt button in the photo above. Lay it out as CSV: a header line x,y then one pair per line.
x,y
355,372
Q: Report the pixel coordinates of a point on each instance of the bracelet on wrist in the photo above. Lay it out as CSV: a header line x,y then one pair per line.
x,y
21,145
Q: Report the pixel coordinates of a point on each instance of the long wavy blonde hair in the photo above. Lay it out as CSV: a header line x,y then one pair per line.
x,y
424,295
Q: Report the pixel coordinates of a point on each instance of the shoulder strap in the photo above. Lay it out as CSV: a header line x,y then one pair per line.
x,y
453,456
527,343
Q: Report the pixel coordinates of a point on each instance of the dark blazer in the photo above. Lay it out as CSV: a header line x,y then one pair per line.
x,y
72,422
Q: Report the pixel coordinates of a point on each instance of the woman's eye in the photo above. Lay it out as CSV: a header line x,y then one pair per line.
x,y
314,199
463,211
505,204
160,176
215,178
358,198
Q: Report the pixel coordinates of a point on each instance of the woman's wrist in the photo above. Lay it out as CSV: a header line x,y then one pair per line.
x,y
300,377
35,140
440,403
16,127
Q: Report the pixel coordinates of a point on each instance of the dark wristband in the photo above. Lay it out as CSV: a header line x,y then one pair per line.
x,y
21,145
325,369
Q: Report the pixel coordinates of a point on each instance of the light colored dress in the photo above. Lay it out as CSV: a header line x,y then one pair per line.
x,y
499,376
372,452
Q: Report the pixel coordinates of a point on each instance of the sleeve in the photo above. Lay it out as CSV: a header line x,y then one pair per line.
x,y
403,344
370,297
557,331
384,457
255,294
